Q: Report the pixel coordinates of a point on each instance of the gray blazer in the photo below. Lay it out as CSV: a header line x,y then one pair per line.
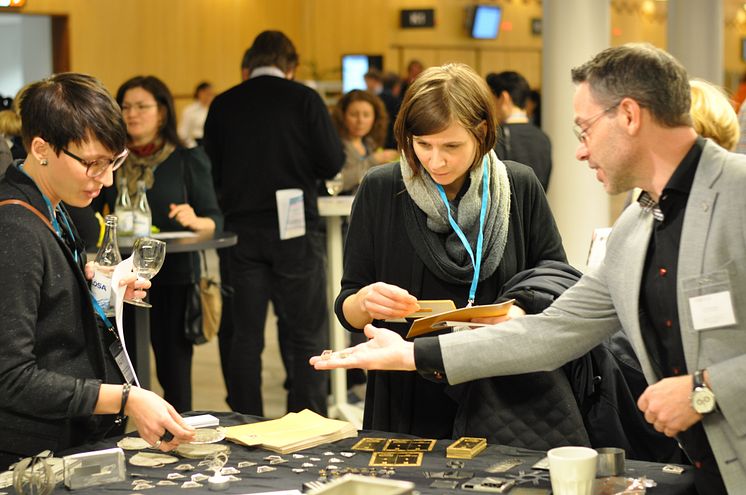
x,y
712,254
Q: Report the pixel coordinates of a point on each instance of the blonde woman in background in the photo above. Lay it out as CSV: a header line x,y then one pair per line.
x,y
713,115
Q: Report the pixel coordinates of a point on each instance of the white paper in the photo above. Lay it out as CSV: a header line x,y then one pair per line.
x,y
712,310
291,215
123,269
179,234
597,252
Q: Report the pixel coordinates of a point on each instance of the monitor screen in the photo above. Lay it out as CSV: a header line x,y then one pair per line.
x,y
486,22
354,68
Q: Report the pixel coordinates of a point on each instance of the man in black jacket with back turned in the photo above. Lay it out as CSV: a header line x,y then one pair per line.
x,y
265,135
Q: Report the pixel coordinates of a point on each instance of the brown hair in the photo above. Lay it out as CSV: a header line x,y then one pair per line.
x,y
648,75
271,48
378,132
162,96
439,97
71,108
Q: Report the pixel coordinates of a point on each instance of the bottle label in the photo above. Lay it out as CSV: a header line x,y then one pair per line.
x,y
141,226
101,289
125,222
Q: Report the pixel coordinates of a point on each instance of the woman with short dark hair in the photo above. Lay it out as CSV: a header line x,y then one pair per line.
x,y
60,384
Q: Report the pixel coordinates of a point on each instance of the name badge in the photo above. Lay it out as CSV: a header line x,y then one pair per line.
x,y
117,352
712,310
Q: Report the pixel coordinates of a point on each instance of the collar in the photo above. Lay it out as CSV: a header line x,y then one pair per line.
x,y
267,70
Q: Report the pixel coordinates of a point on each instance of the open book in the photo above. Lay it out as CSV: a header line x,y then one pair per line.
x,y
445,319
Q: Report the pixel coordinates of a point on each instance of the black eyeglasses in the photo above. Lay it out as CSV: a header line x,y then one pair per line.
x,y
95,168
582,132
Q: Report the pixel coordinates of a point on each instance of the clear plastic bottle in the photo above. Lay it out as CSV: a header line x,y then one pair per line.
x,y
107,258
141,212
123,210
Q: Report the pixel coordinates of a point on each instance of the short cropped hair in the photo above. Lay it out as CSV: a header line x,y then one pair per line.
x,y
201,87
271,48
713,115
648,75
71,108
163,98
512,82
452,93
377,133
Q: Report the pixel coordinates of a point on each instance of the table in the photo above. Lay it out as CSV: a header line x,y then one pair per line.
x,y
200,242
333,209
284,478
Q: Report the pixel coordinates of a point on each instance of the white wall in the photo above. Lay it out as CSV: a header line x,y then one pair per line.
x,y
27,55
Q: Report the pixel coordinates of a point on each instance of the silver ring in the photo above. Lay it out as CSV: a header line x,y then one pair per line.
x,y
157,444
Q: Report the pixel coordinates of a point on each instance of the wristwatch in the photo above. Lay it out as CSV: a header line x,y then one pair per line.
x,y
703,399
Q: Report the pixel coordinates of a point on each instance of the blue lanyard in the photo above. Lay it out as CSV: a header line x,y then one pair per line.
x,y
69,230
477,263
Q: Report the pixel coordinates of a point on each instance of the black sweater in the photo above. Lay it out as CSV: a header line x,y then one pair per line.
x,y
53,356
267,134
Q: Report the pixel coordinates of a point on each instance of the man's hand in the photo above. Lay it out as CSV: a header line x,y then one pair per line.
x,y
668,407
385,350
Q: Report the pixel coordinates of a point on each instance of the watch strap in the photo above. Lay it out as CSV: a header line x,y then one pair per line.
x,y
699,379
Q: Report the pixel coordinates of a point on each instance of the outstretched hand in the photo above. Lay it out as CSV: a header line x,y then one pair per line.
x,y
385,350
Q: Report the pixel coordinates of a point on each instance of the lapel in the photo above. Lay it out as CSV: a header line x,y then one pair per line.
x,y
628,276
694,235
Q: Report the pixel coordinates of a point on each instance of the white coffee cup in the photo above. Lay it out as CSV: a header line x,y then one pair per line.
x,y
572,470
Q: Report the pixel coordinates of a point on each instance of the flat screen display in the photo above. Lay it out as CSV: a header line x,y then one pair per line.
x,y
354,68
485,23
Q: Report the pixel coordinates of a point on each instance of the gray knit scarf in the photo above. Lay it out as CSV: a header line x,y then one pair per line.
x,y
436,243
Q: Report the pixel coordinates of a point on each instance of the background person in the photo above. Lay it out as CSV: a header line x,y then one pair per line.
x,y
181,197
518,139
401,248
361,121
266,134
60,386
192,125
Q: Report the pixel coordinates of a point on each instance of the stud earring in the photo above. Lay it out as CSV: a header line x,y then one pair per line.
x,y
44,162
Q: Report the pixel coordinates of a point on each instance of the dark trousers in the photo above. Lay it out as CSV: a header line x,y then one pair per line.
x,y
173,352
290,273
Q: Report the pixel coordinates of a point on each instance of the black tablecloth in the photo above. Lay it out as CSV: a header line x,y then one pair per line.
x,y
283,478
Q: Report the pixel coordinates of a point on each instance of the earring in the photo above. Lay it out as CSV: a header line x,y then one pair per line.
x,y
44,162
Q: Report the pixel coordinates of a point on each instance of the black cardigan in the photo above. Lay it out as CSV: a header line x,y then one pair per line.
x,y
378,249
53,355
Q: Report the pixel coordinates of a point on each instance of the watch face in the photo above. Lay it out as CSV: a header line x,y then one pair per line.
x,y
703,400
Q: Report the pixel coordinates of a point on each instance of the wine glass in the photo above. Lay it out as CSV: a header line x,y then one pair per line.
x,y
334,185
147,258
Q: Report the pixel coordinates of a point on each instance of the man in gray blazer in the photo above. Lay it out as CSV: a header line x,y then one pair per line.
x,y
673,276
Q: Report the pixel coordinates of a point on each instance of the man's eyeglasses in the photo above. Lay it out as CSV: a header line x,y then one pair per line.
x,y
95,168
138,107
582,132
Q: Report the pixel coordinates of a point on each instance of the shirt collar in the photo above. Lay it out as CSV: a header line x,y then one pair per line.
x,y
681,180
267,70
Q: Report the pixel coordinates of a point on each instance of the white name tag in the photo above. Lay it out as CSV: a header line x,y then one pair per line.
x,y
291,215
712,310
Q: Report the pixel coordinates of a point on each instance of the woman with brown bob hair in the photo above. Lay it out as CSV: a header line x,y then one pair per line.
x,y
361,120
451,221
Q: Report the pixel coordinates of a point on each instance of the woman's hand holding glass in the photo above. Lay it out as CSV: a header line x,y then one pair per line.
x,y
147,259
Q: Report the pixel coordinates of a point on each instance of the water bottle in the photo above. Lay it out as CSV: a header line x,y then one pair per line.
x,y
107,258
123,210
141,212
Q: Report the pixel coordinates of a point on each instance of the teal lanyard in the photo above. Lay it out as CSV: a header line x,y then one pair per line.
x,y
69,231
476,262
